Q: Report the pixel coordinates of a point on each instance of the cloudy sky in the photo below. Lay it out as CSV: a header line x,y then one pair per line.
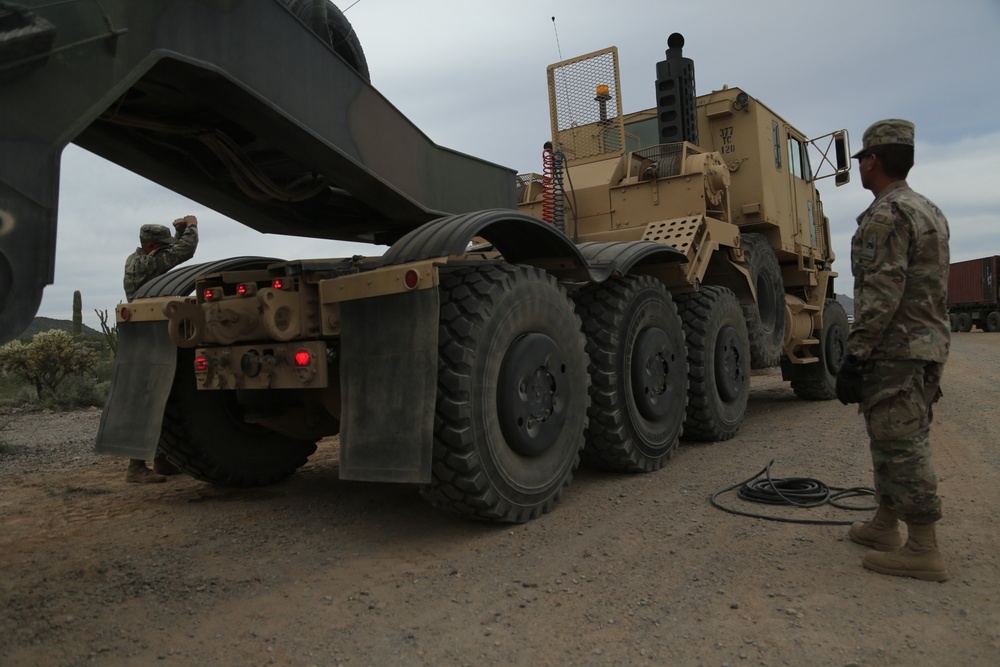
x,y
471,75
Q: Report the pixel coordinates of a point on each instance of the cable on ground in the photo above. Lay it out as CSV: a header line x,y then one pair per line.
x,y
794,491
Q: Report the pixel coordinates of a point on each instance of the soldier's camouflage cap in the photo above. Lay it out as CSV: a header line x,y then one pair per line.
x,y
158,233
885,132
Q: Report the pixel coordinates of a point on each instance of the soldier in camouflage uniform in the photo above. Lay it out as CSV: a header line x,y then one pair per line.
x,y
158,253
897,348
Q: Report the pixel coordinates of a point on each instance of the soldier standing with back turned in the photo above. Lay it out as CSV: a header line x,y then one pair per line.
x,y
158,253
896,352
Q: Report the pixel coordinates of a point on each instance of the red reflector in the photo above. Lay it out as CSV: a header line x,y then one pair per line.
x,y
241,289
411,279
303,358
200,364
278,283
126,314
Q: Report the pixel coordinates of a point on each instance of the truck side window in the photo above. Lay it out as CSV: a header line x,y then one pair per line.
x,y
775,130
798,159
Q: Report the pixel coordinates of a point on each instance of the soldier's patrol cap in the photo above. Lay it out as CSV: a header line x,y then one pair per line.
x,y
886,132
157,233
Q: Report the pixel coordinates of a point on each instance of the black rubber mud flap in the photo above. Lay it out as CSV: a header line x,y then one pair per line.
x,y
388,373
141,378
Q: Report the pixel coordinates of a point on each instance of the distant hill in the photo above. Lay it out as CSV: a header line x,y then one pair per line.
x,y
40,324
847,302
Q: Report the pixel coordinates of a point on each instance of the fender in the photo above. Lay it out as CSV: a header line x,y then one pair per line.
x,y
520,238
625,256
523,239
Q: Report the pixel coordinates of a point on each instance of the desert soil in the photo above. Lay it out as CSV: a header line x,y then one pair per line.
x,y
627,570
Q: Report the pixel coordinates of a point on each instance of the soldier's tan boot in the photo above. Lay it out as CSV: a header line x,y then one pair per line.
x,y
881,533
138,473
919,558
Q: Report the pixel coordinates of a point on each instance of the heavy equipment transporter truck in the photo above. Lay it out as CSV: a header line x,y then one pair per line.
x,y
605,308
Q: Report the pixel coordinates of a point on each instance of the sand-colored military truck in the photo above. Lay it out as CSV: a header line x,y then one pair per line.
x,y
488,347
727,182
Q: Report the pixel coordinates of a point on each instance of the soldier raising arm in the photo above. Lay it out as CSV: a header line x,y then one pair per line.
x,y
158,252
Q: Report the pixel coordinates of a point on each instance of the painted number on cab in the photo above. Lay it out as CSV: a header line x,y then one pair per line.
x,y
726,134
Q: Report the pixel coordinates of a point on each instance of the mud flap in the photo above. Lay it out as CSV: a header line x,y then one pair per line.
x,y
388,367
141,378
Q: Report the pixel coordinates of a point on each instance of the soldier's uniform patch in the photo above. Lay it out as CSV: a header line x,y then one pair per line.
x,y
869,247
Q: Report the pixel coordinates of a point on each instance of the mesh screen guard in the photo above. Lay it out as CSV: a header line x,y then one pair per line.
x,y
586,106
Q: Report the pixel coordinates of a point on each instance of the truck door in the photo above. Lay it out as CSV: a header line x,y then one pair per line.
x,y
808,220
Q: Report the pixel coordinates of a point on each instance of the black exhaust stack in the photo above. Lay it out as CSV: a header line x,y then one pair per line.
x,y
676,113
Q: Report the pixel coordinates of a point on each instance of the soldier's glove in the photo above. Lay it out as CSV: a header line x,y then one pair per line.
x,y
849,381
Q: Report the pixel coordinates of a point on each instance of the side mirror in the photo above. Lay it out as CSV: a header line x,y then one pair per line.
x,y
843,149
839,165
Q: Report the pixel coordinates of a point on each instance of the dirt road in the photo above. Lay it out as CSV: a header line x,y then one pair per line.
x,y
627,570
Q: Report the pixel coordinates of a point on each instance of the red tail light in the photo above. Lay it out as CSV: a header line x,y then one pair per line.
x,y
278,283
212,293
411,279
200,364
303,358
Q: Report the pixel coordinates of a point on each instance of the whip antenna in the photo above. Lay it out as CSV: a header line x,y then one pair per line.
x,y
556,31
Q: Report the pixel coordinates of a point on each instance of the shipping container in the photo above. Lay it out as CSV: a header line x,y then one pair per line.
x,y
973,296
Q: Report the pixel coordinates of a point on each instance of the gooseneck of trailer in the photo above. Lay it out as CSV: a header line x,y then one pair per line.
x,y
236,105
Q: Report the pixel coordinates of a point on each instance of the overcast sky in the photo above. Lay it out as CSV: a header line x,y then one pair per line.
x,y
471,75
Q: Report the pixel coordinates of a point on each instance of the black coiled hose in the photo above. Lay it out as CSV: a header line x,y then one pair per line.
x,y
795,491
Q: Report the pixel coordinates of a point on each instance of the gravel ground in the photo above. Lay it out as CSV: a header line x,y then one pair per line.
x,y
628,569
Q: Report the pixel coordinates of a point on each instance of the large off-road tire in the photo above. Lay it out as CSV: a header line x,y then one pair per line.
x,y
964,322
205,436
993,321
718,363
512,393
821,383
638,373
342,37
953,322
766,318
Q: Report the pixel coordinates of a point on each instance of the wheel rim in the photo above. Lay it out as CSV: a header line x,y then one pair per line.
x,y
729,376
652,358
532,393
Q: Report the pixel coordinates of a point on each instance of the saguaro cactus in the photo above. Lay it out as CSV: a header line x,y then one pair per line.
x,y
77,313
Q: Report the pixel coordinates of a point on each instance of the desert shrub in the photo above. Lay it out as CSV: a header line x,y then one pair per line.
x,y
47,360
80,390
